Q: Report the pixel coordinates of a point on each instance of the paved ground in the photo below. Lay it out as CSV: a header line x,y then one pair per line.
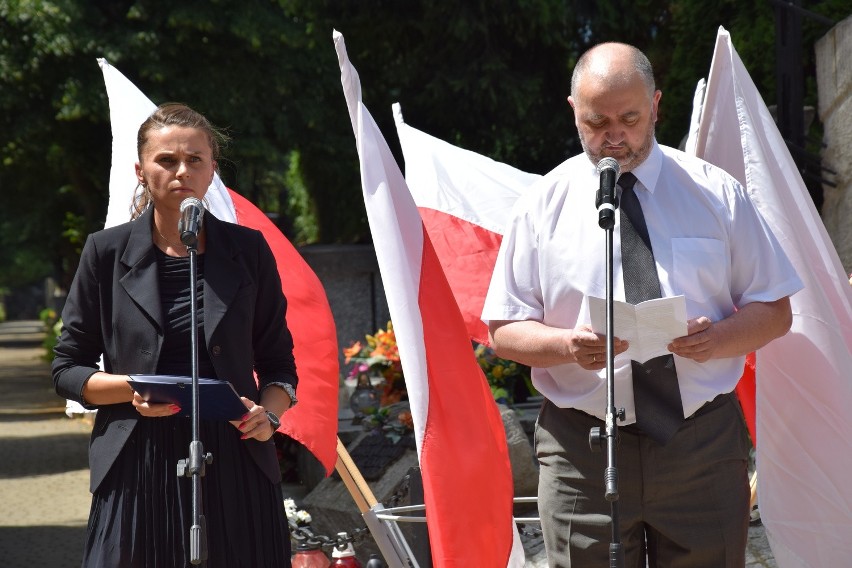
x,y
44,496
44,476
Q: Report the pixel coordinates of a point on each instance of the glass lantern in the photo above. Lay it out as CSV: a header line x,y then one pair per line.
x,y
364,398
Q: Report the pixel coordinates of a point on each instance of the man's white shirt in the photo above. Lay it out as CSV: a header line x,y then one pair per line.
x,y
710,244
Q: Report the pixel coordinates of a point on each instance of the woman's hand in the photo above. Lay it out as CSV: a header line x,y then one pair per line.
x,y
254,424
150,410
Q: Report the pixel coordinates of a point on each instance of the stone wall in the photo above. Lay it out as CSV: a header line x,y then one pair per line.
x,y
350,276
834,85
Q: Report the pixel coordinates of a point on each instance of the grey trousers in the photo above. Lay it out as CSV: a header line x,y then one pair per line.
x,y
685,504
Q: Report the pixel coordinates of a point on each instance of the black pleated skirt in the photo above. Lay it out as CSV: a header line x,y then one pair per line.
x,y
142,512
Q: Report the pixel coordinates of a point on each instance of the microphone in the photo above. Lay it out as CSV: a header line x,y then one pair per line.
x,y
605,199
191,216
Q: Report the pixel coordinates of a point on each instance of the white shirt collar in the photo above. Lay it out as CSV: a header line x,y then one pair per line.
x,y
648,172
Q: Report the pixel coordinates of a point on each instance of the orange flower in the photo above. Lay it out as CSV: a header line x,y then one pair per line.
x,y
383,344
379,354
353,350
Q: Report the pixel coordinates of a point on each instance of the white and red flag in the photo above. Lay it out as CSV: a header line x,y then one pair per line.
x,y
460,438
465,200
312,422
804,382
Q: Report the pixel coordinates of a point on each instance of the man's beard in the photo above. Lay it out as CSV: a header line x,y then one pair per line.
x,y
629,161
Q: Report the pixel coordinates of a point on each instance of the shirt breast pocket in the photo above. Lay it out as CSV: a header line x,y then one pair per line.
x,y
700,267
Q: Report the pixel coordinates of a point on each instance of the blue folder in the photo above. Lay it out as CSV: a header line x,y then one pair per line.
x,y
217,399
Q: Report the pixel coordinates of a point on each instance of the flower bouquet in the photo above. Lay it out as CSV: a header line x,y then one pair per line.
x,y
378,356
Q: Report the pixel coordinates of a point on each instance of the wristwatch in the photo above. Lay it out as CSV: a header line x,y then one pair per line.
x,y
273,419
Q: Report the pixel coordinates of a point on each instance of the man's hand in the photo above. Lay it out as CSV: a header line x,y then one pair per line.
x,y
538,345
589,348
699,343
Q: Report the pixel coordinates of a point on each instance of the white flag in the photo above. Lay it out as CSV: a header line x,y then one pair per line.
x,y
804,379
461,442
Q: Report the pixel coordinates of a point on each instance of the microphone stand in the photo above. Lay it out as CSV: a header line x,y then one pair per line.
x,y
194,466
610,435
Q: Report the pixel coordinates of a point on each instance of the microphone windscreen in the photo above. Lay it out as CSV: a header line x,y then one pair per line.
x,y
191,201
609,164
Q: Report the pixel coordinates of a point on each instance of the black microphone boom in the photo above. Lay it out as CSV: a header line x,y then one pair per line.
x,y
191,216
605,199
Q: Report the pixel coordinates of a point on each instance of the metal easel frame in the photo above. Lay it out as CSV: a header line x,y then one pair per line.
x,y
382,522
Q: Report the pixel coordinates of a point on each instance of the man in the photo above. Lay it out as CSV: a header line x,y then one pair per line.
x,y
683,487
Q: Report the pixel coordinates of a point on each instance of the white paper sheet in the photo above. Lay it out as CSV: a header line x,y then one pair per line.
x,y
648,326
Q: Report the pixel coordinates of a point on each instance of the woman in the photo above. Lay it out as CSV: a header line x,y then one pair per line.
x,y
129,303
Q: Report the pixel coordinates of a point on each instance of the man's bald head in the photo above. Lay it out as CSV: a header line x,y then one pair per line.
x,y
614,64
615,104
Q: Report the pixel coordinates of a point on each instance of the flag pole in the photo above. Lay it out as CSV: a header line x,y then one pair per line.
x,y
354,481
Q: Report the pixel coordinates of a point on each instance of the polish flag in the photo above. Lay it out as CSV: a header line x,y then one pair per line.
x,y
461,442
312,422
804,390
465,200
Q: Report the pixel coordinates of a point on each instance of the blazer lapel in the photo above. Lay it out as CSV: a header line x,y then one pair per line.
x,y
140,282
222,273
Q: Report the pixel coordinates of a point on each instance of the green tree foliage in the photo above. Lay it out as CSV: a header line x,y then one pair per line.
x,y
52,155
685,56
491,76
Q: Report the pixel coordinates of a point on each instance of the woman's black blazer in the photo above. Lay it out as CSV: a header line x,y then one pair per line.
x,y
113,311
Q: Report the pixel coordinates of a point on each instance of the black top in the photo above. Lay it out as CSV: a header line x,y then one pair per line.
x,y
175,355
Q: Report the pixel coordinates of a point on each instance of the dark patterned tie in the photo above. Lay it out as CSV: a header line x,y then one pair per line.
x,y
656,393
